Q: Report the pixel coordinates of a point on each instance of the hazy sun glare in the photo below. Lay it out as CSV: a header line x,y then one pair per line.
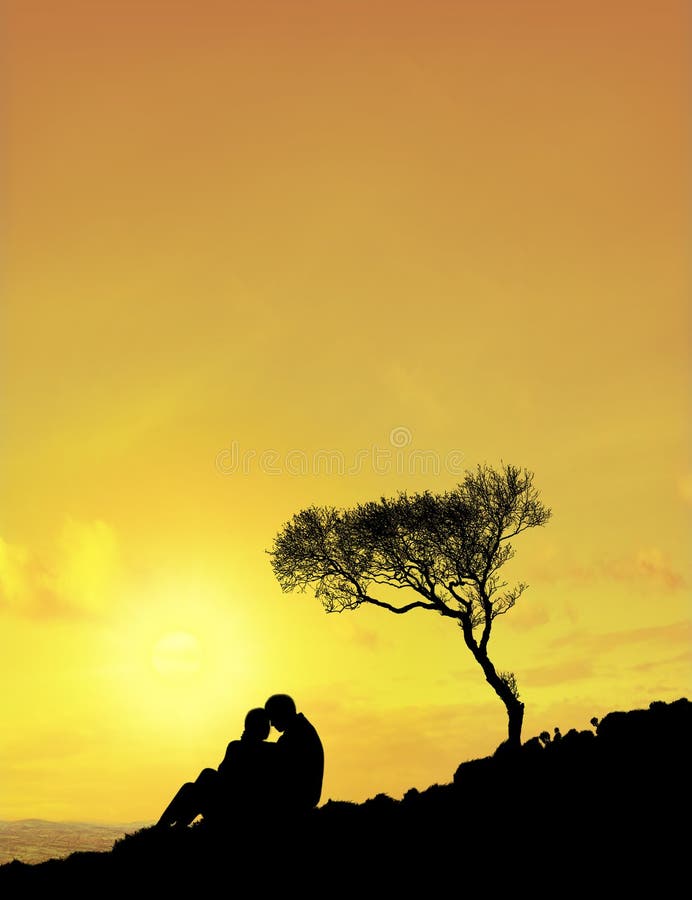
x,y
177,654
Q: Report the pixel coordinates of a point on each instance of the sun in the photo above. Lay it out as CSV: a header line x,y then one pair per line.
x,y
177,653
175,647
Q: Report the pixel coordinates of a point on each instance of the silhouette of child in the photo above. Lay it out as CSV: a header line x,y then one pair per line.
x,y
242,787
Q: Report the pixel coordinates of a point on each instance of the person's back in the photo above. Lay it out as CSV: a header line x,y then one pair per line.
x,y
246,773
247,776
239,791
300,763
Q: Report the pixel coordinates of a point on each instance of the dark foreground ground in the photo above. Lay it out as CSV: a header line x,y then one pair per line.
x,y
605,811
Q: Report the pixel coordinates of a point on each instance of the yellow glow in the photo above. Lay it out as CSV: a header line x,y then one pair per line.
x,y
267,255
177,653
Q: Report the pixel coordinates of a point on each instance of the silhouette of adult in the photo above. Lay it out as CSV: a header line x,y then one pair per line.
x,y
300,757
239,790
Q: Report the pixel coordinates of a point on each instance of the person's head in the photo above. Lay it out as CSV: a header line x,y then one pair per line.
x,y
281,710
257,724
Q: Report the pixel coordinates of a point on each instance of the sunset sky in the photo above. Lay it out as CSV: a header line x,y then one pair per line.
x,y
267,254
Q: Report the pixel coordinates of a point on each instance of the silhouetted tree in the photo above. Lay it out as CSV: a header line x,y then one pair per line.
x,y
448,548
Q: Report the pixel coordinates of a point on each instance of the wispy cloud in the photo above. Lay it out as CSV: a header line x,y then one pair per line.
x,y
645,569
588,651
76,577
684,659
558,673
365,637
398,748
674,635
648,565
531,617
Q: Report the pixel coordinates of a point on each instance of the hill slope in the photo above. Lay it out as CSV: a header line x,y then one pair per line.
x,y
596,810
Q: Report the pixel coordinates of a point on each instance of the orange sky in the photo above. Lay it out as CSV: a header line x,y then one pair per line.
x,y
260,255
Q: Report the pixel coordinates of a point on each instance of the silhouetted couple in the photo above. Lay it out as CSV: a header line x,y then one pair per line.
x,y
257,779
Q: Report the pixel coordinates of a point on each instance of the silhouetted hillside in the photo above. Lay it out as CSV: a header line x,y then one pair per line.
x,y
600,810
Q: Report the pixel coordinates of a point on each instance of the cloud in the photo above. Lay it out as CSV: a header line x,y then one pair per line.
x,y
77,578
365,637
550,675
395,748
646,569
683,658
587,651
676,634
528,617
14,579
649,565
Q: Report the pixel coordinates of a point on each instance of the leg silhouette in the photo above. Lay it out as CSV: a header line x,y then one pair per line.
x,y
194,798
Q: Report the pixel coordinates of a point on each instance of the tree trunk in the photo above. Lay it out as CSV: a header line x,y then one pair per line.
x,y
505,690
515,716
514,706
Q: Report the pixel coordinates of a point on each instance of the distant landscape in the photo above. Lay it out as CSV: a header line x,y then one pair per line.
x,y
35,840
602,809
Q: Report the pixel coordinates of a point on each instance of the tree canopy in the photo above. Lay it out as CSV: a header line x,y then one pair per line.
x,y
447,549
